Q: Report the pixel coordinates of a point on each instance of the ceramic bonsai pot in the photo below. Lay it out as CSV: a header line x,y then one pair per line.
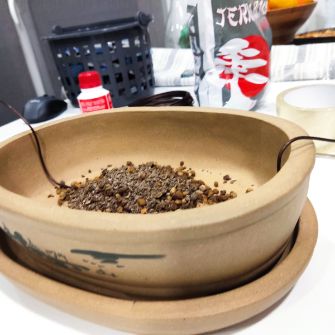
x,y
178,254
199,315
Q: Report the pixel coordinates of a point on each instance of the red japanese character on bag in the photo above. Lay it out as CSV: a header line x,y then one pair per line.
x,y
231,45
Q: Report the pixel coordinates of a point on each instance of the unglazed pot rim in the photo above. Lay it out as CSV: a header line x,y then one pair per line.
x,y
279,189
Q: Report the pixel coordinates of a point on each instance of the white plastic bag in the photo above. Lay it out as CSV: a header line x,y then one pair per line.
x,y
231,42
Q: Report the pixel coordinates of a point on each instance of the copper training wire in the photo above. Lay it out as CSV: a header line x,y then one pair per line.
x,y
298,138
38,146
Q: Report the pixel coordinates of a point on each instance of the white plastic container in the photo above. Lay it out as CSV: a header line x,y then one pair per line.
x,y
93,96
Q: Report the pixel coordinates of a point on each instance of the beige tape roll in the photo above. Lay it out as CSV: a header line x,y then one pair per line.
x,y
313,108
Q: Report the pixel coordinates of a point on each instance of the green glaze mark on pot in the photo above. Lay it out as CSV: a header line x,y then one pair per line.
x,y
113,258
61,260
51,256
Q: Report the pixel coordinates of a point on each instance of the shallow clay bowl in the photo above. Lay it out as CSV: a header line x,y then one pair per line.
x,y
285,22
178,254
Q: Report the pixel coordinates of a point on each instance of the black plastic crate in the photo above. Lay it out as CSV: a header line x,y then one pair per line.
x,y
119,50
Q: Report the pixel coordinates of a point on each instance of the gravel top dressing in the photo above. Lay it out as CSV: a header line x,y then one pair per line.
x,y
146,188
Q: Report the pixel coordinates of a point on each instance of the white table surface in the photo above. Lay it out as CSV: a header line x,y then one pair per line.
x,y
308,309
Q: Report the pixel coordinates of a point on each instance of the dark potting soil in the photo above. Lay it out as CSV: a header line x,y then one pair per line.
x,y
146,188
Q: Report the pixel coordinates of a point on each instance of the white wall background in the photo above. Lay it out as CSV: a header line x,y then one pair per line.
x,y
322,17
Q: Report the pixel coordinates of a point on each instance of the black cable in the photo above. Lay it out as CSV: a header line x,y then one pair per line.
x,y
38,145
173,98
298,138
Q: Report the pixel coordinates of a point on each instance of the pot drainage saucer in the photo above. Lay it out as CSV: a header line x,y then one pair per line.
x,y
189,316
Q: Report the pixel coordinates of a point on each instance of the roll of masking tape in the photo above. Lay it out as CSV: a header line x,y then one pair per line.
x,y
313,108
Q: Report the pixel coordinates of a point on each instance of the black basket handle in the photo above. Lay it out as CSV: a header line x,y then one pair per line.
x,y
141,19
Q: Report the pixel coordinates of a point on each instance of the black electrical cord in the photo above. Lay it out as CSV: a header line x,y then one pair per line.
x,y
298,138
173,98
38,146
